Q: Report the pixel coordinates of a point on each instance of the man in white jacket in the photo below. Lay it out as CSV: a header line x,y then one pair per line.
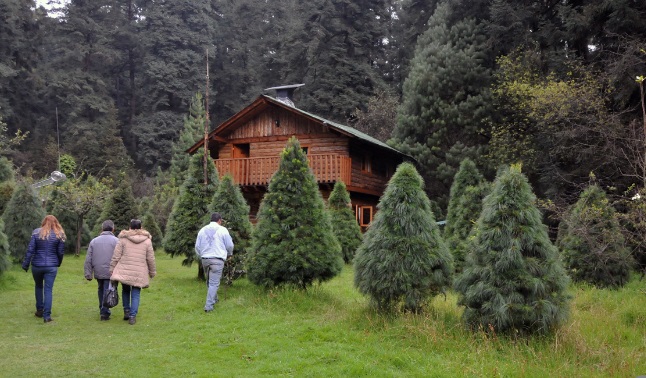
x,y
213,246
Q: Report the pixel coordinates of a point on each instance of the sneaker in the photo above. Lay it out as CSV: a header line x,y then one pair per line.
x,y
38,313
105,317
132,320
126,314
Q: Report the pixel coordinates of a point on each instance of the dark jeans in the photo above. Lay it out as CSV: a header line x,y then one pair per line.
x,y
103,286
44,277
130,296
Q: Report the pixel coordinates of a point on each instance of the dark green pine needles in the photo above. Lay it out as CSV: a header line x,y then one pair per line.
x,y
187,216
229,202
513,279
293,242
465,204
23,214
592,243
344,223
403,259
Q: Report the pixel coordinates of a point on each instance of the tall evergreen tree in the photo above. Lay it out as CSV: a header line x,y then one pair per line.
x,y
335,55
446,99
403,258
176,34
187,216
465,204
293,242
229,202
192,132
513,279
70,221
592,243
23,214
5,252
121,207
78,78
150,224
344,223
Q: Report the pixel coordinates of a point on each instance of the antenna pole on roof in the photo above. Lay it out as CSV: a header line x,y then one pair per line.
x,y
206,122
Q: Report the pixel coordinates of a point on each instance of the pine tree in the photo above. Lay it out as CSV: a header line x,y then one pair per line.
x,y
192,132
150,224
5,253
187,217
344,223
121,207
335,53
23,214
513,279
70,222
592,243
403,259
293,242
229,202
446,99
465,204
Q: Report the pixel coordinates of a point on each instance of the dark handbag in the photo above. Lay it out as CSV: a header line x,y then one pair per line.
x,y
111,296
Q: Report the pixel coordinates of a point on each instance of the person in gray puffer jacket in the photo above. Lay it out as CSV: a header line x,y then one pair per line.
x,y
97,262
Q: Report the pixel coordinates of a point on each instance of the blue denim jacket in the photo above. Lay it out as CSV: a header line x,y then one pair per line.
x,y
44,252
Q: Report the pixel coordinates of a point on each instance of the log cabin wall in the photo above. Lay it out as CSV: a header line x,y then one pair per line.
x,y
276,122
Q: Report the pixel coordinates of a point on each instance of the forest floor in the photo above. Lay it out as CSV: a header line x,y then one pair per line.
x,y
326,331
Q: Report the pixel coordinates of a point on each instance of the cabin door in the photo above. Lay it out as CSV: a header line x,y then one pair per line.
x,y
241,171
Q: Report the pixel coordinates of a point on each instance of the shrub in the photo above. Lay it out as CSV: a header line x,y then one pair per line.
x,y
344,224
402,257
229,202
293,242
592,243
513,279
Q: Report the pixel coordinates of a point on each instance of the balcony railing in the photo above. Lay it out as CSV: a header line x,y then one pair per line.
x,y
327,168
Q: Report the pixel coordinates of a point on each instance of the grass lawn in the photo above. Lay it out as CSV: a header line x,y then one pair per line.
x,y
328,331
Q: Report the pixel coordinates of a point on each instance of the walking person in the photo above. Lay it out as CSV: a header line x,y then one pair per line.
x,y
133,264
45,255
213,246
97,262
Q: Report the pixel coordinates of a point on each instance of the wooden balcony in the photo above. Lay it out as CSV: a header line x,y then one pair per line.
x,y
327,168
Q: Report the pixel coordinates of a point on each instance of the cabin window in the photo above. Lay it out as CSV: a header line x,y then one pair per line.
x,y
241,151
363,215
366,163
305,149
380,167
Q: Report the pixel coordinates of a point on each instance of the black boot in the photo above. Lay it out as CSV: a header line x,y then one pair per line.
x,y
132,320
39,313
126,314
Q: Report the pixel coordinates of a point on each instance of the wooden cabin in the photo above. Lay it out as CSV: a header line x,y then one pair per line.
x,y
248,146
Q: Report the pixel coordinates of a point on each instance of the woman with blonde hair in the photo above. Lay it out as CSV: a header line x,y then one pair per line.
x,y
45,255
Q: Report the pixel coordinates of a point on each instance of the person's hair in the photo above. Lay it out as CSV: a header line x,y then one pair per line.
x,y
107,225
50,224
135,224
215,217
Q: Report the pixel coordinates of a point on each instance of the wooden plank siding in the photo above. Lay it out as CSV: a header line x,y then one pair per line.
x,y
328,168
265,125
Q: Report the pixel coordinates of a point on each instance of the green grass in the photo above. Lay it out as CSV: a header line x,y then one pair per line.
x,y
328,331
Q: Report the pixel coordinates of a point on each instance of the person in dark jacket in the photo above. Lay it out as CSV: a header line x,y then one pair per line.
x,y
45,255
97,262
